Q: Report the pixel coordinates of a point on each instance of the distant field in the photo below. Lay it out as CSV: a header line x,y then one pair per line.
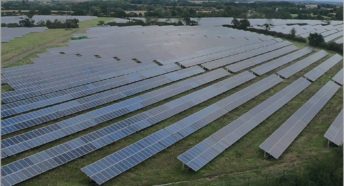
x,y
241,164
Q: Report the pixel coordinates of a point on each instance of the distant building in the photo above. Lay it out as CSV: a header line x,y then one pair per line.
x,y
311,6
200,1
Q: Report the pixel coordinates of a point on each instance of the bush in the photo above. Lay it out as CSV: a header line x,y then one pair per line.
x,y
69,23
293,32
12,25
334,47
244,24
316,39
27,22
101,22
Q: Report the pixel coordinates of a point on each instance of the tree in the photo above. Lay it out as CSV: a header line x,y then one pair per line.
x,y
244,23
27,22
101,22
267,26
293,32
315,39
235,22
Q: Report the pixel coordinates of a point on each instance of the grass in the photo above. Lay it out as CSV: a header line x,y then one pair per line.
x,y
241,164
22,50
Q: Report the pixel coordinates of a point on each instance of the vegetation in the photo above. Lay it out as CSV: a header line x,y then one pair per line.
x,y
180,8
314,39
68,23
272,33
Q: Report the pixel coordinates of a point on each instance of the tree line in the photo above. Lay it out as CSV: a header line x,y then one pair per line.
x,y
180,8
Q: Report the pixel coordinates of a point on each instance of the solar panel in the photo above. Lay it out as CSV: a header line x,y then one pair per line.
x,y
260,59
37,117
201,154
224,54
282,138
271,65
232,59
103,88
323,67
126,158
40,90
70,150
333,36
302,64
8,34
33,138
335,131
338,78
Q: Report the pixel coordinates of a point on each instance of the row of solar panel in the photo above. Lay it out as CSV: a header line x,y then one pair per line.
x,y
40,92
225,54
43,115
201,154
119,162
34,138
130,156
323,67
282,138
273,64
226,61
335,131
338,78
38,163
43,78
26,107
333,36
260,59
20,96
207,150
115,49
302,64
23,108
36,91
105,87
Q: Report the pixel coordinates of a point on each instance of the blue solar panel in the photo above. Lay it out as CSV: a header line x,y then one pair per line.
x,y
202,153
283,137
121,129
125,158
72,125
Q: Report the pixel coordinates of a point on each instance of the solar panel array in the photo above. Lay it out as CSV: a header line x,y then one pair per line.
x,y
135,74
25,141
260,59
338,78
323,67
202,153
8,34
104,86
225,61
43,161
302,64
282,138
273,64
335,131
37,117
331,32
132,155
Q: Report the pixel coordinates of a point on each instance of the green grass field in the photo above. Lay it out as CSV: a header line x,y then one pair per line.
x,y
241,164
21,50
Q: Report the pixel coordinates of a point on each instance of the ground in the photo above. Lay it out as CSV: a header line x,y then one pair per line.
x,y
241,164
